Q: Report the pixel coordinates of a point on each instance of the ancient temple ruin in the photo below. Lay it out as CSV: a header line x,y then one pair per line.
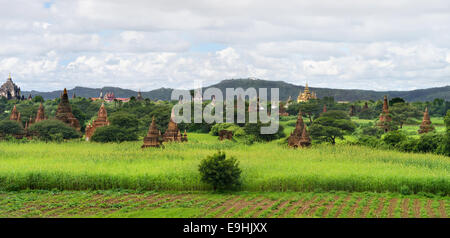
x,y
153,138
225,135
426,126
173,133
102,120
10,90
300,136
15,115
64,112
385,117
40,115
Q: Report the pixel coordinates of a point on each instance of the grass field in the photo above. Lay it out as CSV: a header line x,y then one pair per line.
x,y
266,167
202,204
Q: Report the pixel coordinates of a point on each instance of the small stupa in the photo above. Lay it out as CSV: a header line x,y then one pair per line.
x,y
300,136
64,112
153,136
102,120
40,115
426,126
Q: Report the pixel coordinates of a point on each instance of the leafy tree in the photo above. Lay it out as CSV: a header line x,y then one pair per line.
x,y
331,125
444,146
220,172
125,121
396,100
50,130
113,134
38,98
401,112
8,127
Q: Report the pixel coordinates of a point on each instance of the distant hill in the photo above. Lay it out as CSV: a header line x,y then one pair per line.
x,y
286,90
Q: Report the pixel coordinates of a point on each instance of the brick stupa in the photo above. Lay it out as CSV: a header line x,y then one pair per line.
x,y
426,126
64,112
40,115
153,136
15,115
300,136
102,120
385,118
173,133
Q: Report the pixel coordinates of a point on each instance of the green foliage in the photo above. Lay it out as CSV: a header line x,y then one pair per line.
x,y
113,133
237,130
52,130
253,132
8,127
402,111
392,138
331,125
38,98
428,142
220,172
372,131
404,190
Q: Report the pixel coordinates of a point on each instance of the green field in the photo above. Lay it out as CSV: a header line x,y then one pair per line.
x,y
203,204
266,167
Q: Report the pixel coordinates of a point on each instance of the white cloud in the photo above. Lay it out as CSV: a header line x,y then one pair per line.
x,y
144,45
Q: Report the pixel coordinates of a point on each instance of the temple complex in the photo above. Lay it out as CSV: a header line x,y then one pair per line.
x,y
385,118
426,126
153,138
300,136
102,120
15,115
64,112
10,90
306,95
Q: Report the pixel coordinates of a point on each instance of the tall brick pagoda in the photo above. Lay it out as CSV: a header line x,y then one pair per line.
x,y
102,120
64,112
385,117
40,115
153,136
300,136
426,126
15,115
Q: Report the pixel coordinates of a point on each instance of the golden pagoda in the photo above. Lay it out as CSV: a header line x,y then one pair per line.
x,y
306,95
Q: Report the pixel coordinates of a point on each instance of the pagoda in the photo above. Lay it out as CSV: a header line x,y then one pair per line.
x,y
15,115
64,112
306,95
426,126
153,136
324,108
385,118
40,115
10,90
102,120
173,133
300,136
139,96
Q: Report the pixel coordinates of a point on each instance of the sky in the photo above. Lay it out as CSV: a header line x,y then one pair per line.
x,y
143,45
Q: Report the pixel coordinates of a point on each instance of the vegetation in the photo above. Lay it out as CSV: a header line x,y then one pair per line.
x,y
331,125
265,167
8,127
221,173
125,204
52,130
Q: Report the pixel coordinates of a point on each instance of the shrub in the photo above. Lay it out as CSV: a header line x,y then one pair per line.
x,y
392,138
220,172
371,141
113,134
8,127
429,142
237,130
53,130
404,190
372,131
408,145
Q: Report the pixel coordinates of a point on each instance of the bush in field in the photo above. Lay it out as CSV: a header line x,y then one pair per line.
x,y
237,130
392,138
429,142
53,130
408,145
253,132
8,127
220,172
372,131
113,134
367,140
